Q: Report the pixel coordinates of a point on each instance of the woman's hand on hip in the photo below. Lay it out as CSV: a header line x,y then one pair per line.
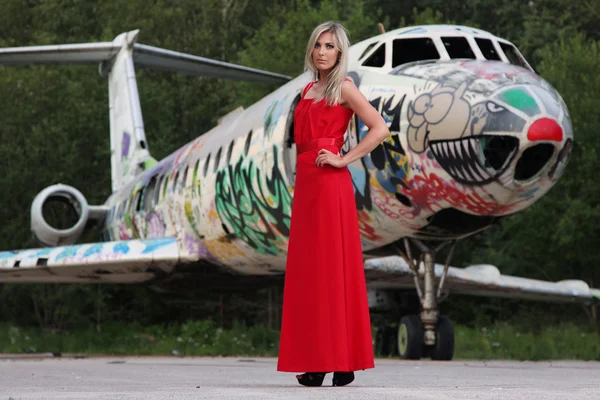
x,y
327,157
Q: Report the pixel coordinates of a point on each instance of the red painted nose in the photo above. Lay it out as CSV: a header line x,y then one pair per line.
x,y
545,129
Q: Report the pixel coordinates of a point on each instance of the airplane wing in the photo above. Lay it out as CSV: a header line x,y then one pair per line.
x,y
126,261
479,280
143,56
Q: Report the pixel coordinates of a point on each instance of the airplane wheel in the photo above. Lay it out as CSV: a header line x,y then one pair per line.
x,y
410,337
385,340
443,350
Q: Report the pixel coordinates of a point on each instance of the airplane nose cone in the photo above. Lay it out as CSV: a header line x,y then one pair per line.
x,y
545,129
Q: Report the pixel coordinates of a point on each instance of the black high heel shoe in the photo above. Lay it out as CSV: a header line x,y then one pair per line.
x,y
311,378
342,378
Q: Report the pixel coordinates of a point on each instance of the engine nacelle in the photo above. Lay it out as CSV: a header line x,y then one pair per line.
x,y
60,214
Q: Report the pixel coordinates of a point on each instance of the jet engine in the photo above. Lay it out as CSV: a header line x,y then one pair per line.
x,y
60,214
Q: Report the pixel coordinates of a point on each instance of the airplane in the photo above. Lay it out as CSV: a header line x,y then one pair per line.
x,y
476,136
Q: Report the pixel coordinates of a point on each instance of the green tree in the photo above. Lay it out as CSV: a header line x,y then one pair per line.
x,y
280,43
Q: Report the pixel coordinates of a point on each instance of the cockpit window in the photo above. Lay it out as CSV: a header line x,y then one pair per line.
x,y
369,47
458,47
377,59
414,49
487,49
513,56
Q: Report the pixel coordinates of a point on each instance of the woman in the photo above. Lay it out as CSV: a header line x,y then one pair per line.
x,y
325,323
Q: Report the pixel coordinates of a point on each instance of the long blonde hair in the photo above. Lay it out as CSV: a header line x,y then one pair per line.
x,y
335,79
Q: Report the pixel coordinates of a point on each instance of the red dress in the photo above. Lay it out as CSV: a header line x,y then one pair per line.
x,y
325,324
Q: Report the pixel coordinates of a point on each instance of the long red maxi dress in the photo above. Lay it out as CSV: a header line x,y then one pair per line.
x,y
325,324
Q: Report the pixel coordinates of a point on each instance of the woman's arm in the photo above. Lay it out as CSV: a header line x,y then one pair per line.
x,y
378,129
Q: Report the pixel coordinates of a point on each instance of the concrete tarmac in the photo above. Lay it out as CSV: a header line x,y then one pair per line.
x,y
151,378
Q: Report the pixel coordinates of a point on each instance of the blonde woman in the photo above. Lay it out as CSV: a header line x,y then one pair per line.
x,y
326,325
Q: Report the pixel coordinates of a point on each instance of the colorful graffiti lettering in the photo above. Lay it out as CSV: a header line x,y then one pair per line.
x,y
258,213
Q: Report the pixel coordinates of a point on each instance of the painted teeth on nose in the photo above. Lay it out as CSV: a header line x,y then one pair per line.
x,y
450,157
465,161
451,150
476,169
460,158
478,161
446,149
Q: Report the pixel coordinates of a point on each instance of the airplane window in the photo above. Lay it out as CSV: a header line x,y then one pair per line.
x,y
417,49
205,171
247,146
458,47
229,150
159,182
185,174
138,201
165,184
512,55
369,47
487,49
175,180
126,206
217,159
149,194
195,176
377,59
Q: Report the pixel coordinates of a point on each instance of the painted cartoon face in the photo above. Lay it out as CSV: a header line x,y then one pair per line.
x,y
514,134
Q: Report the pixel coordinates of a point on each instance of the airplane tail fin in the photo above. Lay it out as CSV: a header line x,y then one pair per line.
x,y
129,150
129,154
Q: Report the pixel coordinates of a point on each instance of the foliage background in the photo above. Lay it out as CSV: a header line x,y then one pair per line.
x,y
54,128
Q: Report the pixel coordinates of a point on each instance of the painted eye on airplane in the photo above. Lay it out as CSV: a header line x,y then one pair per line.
x,y
494,108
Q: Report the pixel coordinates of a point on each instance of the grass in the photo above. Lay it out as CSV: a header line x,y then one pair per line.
x,y
503,341
203,338
198,338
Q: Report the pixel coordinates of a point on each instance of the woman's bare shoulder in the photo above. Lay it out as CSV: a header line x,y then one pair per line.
x,y
349,89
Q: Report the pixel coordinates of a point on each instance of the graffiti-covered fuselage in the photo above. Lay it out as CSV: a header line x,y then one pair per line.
x,y
475,135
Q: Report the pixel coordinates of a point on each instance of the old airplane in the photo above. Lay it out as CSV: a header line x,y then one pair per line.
x,y
476,135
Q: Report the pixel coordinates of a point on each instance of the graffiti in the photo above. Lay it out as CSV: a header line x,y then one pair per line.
x,y
68,252
121,248
154,244
475,144
497,71
367,231
388,161
93,249
88,253
362,190
196,247
7,254
272,115
124,232
388,204
458,130
125,143
427,116
259,215
156,226
192,202
428,191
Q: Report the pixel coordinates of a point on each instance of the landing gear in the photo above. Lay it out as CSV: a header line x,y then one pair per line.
x,y
443,349
410,337
428,334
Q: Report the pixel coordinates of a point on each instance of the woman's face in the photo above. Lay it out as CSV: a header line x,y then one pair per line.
x,y
325,53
